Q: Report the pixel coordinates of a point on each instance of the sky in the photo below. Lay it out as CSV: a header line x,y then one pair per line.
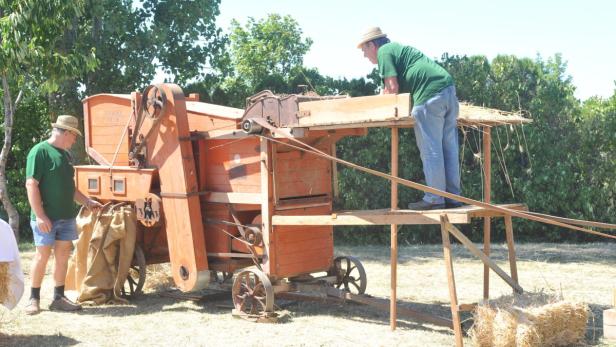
x,y
583,32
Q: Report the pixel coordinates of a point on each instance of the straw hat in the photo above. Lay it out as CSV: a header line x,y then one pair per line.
x,y
69,123
371,34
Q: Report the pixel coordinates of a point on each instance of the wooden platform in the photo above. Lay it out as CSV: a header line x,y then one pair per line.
x,y
460,215
388,110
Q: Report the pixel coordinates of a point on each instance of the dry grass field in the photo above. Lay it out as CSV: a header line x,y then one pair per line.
x,y
577,272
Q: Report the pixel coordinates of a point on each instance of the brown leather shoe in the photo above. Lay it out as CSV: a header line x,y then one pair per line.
x,y
64,304
34,307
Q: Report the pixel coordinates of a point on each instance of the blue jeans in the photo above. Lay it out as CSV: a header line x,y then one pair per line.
x,y
437,138
61,230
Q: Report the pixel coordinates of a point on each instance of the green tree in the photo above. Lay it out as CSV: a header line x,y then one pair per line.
x,y
134,39
31,62
265,53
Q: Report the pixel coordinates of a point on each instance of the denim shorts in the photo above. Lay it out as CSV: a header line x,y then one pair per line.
x,y
62,230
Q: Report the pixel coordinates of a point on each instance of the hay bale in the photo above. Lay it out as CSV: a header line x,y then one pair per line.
x,y
560,324
157,278
504,328
482,333
529,321
4,281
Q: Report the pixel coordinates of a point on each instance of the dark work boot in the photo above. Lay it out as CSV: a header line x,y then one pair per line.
x,y
454,204
424,205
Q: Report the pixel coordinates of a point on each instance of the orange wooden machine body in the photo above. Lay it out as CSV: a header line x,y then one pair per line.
x,y
198,176
217,189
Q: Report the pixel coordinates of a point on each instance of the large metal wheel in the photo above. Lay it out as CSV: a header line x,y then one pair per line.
x,y
253,294
135,279
350,275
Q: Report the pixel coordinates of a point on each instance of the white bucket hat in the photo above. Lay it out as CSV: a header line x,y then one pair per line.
x,y
69,123
371,34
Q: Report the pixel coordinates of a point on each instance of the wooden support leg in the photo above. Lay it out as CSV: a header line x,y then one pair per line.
x,y
511,249
487,189
486,260
394,231
486,251
455,313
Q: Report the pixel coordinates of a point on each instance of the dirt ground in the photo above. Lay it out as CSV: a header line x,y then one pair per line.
x,y
577,272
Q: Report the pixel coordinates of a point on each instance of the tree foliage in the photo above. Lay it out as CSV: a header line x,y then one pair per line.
x,y
266,50
32,62
134,39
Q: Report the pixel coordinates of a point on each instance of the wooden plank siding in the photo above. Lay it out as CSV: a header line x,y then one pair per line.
x,y
302,249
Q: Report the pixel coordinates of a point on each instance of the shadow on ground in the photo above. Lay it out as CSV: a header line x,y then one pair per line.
x,y
36,340
599,253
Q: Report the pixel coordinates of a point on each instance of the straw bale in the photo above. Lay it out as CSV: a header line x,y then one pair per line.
x,y
4,281
560,324
482,333
157,278
529,320
504,329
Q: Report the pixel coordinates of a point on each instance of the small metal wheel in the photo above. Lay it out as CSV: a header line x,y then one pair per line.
x,y
253,294
154,101
221,277
253,236
136,275
350,274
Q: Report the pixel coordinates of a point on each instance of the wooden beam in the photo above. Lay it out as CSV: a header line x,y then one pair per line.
x,y
233,198
384,304
576,221
357,110
97,156
399,217
214,110
394,229
266,203
485,259
231,255
234,134
451,281
403,122
478,212
487,189
467,307
511,248
334,172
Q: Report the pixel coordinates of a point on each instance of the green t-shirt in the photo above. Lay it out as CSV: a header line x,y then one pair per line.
x,y
416,73
52,168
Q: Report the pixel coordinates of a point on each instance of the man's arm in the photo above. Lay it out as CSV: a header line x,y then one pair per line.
x,y
86,201
34,198
390,85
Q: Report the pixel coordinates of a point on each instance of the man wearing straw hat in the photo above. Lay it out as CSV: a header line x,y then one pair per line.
x,y
405,69
51,192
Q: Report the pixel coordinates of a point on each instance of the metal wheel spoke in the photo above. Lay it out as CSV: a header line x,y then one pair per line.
x,y
245,287
355,285
131,284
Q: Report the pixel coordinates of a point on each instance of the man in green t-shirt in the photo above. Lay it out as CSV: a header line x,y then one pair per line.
x,y
405,69
51,194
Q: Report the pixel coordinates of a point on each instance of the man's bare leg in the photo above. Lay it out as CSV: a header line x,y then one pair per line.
x,y
37,272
